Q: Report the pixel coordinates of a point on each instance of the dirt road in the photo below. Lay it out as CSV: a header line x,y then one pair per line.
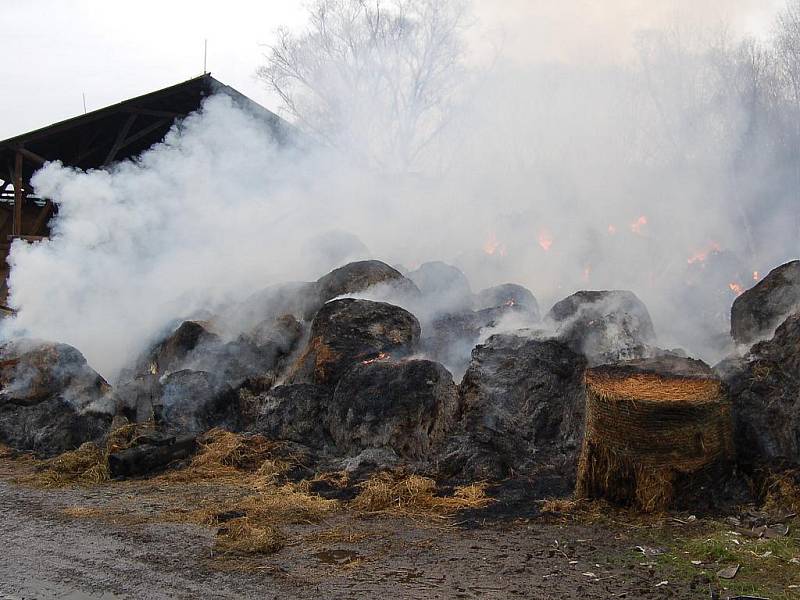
x,y
55,545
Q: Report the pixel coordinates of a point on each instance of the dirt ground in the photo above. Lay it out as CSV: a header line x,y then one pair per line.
x,y
110,541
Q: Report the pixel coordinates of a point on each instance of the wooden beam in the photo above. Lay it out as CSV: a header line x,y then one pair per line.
x,y
18,195
32,156
123,133
143,132
42,218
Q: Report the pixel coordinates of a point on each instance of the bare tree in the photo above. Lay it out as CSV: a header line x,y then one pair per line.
x,y
378,79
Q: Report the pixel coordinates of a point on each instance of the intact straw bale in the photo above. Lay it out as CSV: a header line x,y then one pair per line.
x,y
645,429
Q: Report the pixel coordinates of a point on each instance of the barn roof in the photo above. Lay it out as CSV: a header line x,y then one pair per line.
x,y
121,130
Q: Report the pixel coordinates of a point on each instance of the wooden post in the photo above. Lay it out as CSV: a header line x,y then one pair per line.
x,y
18,195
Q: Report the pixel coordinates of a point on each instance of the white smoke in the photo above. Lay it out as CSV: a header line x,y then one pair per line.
x,y
558,176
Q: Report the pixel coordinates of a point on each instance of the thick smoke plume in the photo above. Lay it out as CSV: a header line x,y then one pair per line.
x,y
672,172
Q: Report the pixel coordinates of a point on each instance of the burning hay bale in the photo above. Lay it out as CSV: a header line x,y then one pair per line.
x,y
758,311
292,412
345,332
523,404
765,393
51,401
496,301
605,326
195,401
647,423
407,406
362,275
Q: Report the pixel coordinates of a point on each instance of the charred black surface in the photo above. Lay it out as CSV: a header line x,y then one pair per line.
x,y
407,406
348,331
605,326
758,311
50,399
523,402
508,296
292,412
764,388
153,454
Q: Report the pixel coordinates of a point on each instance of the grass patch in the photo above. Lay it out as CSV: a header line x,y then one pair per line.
x,y
767,566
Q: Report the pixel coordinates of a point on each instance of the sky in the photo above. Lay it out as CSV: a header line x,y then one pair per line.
x,y
58,51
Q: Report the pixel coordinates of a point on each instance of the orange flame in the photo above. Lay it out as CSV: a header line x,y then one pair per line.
x,y
381,357
492,246
510,302
636,226
736,288
755,276
545,239
702,255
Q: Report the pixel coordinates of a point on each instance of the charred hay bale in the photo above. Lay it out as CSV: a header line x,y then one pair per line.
x,y
150,453
51,400
195,401
407,406
170,353
508,297
758,311
646,426
347,331
292,412
605,326
764,390
523,404
443,286
361,275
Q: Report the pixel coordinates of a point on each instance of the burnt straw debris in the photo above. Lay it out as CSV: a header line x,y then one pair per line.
x,y
367,371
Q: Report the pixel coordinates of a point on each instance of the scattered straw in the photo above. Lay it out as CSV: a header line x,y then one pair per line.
x,y
241,536
395,492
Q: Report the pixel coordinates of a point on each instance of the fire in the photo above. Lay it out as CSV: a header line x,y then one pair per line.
x,y
736,288
636,226
381,357
545,240
702,255
755,276
510,302
612,230
492,246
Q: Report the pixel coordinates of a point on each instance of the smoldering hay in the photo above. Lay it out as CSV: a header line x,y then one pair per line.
x,y
557,176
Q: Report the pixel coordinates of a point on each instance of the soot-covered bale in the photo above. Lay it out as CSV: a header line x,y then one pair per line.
x,y
150,453
758,311
605,326
443,286
764,388
362,275
507,298
291,412
195,401
50,399
294,298
407,406
347,331
647,424
522,402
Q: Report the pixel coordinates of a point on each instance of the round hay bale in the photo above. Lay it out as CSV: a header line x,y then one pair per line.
x,y
645,427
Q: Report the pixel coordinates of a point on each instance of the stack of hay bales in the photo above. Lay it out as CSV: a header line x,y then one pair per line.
x,y
648,422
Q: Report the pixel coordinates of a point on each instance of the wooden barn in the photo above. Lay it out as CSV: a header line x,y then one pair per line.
x,y
93,141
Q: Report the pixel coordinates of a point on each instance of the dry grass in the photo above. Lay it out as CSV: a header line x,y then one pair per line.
x,y
229,455
413,494
782,492
650,386
88,464
241,536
